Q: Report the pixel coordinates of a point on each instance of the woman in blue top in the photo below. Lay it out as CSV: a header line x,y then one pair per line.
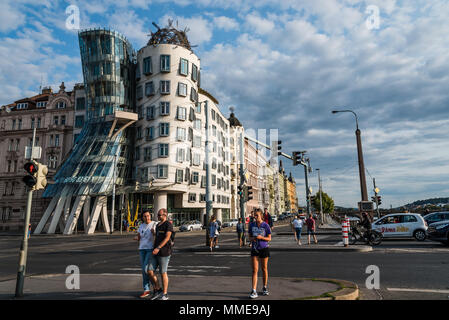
x,y
213,231
259,235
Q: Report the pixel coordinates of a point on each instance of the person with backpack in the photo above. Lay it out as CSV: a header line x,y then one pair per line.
x,y
162,253
145,236
311,226
268,219
213,232
241,232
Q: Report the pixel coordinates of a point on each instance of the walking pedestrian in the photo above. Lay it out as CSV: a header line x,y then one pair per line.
x,y
241,232
297,225
145,236
260,235
267,218
311,225
162,252
213,232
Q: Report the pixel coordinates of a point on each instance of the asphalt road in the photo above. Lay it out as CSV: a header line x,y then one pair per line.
x,y
420,268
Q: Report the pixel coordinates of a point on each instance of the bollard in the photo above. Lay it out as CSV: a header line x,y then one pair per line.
x,y
345,230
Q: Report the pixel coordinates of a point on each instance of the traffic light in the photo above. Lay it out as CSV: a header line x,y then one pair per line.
x,y
31,178
379,200
279,147
312,199
240,191
297,158
373,198
42,171
249,193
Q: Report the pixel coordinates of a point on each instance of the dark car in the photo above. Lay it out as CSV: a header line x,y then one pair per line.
x,y
436,217
439,231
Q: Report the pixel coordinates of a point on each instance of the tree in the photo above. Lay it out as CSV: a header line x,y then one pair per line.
x,y
328,202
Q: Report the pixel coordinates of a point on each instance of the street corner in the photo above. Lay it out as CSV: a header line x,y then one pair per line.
x,y
341,289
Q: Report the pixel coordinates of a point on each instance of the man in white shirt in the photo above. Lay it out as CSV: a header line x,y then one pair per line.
x,y
145,236
297,225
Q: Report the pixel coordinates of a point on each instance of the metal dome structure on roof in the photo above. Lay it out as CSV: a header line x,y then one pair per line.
x,y
170,35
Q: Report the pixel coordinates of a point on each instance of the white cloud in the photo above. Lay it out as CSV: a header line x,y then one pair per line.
x,y
225,23
200,29
10,17
259,25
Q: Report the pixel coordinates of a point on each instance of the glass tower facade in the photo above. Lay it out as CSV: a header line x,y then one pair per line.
x,y
108,64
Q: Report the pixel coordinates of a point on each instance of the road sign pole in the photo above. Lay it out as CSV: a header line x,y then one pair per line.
x,y
24,245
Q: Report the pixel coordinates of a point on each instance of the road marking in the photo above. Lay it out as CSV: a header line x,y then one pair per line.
x,y
418,290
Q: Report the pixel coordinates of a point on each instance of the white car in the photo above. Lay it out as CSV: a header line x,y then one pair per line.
x,y
274,217
191,225
402,225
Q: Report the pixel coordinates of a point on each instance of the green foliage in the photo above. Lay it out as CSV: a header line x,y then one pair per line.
x,y
328,202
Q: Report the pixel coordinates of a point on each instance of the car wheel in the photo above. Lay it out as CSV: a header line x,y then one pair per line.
x,y
420,235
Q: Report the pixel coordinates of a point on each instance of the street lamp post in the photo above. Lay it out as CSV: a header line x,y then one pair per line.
x,y
360,156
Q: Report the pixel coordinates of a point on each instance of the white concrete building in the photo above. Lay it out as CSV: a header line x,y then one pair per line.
x,y
171,136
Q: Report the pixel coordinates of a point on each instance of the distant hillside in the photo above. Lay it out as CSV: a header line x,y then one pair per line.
x,y
429,201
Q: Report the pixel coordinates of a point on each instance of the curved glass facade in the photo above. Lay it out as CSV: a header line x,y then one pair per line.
x,y
108,62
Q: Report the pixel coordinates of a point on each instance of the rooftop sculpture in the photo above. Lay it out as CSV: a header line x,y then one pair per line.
x,y
170,35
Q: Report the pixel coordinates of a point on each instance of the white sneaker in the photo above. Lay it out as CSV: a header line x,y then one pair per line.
x,y
253,294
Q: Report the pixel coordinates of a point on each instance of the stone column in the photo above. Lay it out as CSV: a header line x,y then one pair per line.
x,y
160,201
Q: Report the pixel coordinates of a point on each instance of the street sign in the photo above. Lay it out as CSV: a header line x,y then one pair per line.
x,y
37,152
376,190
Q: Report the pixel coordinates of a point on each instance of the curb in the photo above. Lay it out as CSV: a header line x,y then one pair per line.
x,y
274,249
347,290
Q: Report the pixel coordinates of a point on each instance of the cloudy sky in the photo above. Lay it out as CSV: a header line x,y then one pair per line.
x,y
284,64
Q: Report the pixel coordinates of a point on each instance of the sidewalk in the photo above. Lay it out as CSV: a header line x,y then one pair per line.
x,y
127,286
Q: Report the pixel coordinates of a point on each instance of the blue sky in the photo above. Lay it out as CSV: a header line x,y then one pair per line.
x,y
283,65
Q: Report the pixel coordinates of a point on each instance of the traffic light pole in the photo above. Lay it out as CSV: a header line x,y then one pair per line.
x,y
376,198
24,245
242,200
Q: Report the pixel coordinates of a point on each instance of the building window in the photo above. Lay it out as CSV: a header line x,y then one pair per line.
x,y
179,175
214,180
202,197
149,88
197,124
139,133
165,108
163,150
150,112
192,197
79,121
181,134
196,159
13,124
63,120
214,130
165,63
22,106
194,72
164,87
140,112
193,94
147,66
137,153
164,129
61,105
198,108
137,71
41,104
147,154
184,67
182,89
56,120
197,141
139,93
162,171
212,114
32,123
180,155
19,127
52,162
195,177
107,67
150,133
181,113
56,140
80,104
38,123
